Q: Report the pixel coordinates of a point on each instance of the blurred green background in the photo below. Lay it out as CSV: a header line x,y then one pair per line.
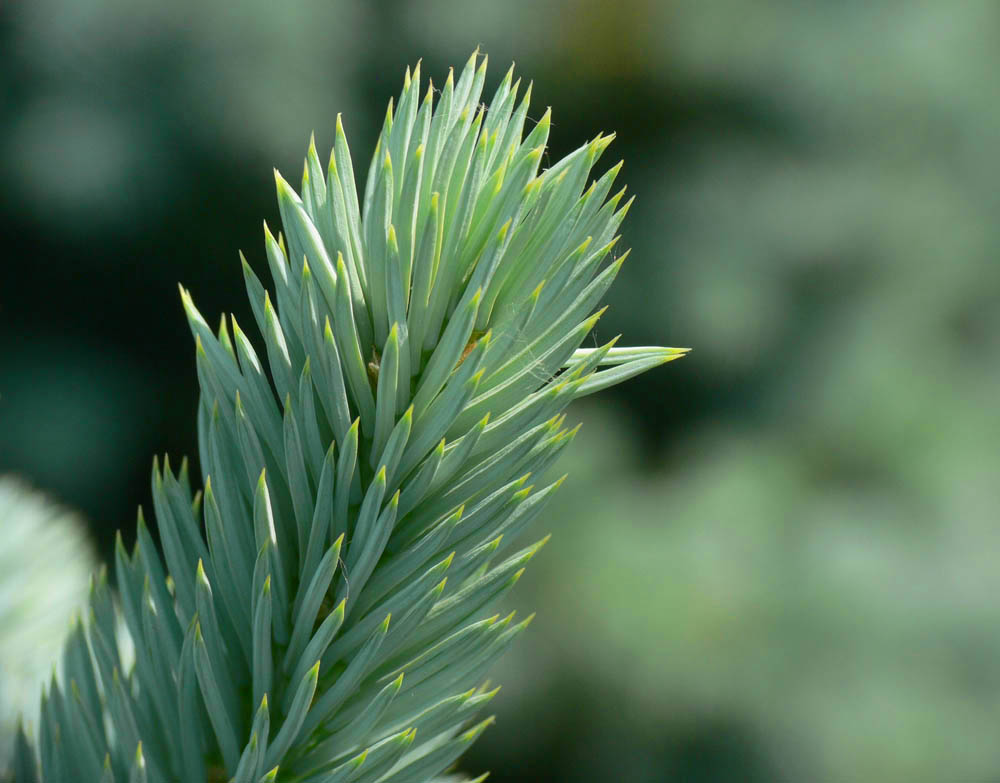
x,y
776,560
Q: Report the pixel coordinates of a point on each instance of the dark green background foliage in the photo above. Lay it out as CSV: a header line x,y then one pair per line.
x,y
775,560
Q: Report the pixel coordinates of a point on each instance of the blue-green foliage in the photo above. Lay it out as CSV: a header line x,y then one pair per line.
x,y
334,618
45,563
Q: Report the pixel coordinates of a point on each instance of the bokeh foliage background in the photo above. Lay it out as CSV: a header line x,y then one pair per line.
x,y
777,560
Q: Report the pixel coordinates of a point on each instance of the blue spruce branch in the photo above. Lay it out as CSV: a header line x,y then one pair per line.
x,y
325,609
